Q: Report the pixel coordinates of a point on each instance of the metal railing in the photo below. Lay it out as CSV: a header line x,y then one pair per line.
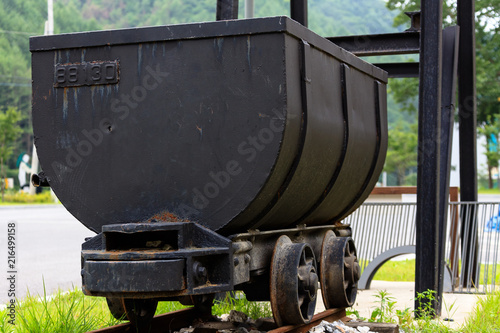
x,y
386,230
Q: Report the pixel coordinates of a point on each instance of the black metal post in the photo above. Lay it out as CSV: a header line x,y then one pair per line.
x,y
298,11
467,116
227,10
449,80
429,122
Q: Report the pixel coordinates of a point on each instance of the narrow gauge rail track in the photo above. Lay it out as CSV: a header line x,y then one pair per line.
x,y
176,320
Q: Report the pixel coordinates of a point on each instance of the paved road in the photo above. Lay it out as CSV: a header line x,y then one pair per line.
x,y
48,241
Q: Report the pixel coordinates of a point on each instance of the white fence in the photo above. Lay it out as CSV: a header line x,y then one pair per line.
x,y
386,230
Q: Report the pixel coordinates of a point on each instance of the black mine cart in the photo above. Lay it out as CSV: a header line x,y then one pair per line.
x,y
210,157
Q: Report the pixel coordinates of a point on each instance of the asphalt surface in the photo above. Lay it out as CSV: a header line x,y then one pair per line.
x,y
48,241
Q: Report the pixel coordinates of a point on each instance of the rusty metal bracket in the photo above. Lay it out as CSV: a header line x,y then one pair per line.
x,y
141,260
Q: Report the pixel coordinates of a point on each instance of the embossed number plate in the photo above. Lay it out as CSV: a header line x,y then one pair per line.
x,y
86,73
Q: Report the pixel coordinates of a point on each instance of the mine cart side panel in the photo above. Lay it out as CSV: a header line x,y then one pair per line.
x,y
317,84
364,104
234,125
378,158
174,137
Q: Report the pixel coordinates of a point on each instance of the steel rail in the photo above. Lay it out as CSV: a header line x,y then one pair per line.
x,y
176,320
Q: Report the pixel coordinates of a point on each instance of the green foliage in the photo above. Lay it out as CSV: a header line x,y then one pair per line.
x,y
402,104
351,311
405,318
64,312
336,18
74,312
490,129
67,18
405,93
9,132
20,20
427,321
254,310
326,17
402,6
24,18
402,150
17,197
487,58
485,316
386,312
425,300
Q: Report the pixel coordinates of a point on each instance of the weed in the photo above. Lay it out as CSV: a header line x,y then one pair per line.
x,y
74,312
405,319
351,311
239,302
65,312
384,313
486,315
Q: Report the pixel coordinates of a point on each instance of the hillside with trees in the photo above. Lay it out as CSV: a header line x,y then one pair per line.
x,y
20,19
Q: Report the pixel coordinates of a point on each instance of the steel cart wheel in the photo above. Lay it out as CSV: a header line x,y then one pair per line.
x,y
139,312
203,303
339,271
116,307
294,282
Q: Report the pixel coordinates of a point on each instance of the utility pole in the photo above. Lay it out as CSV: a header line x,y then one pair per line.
x,y
49,30
249,8
50,18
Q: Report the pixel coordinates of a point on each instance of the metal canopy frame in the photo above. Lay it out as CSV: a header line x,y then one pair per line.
x,y
443,55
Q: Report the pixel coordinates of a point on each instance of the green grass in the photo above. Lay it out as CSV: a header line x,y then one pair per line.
x,y
403,270
486,315
74,312
486,269
488,191
254,310
65,312
163,307
484,318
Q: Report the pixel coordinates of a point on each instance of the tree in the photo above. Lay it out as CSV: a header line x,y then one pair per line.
x,y
487,62
402,150
9,132
490,129
21,19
